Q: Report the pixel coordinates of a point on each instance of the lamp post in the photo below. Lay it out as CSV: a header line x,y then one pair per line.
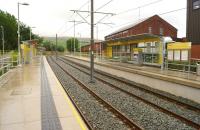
x,y
18,32
30,32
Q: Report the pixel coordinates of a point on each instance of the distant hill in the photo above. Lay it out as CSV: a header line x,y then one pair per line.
x,y
62,40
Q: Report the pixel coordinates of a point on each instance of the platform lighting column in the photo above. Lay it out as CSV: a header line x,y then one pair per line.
x,y
31,32
91,44
18,32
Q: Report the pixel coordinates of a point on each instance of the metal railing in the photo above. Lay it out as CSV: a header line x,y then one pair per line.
x,y
5,69
86,54
190,66
6,64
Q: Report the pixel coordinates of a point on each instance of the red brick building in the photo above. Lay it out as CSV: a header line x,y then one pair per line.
x,y
153,25
97,46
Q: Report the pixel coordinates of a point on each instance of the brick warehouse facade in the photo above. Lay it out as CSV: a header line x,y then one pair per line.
x,y
193,26
97,46
153,25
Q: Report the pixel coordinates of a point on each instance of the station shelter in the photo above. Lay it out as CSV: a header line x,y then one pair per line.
x,y
144,49
179,51
28,50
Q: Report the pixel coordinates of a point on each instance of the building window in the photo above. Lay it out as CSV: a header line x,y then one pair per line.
x,y
161,31
196,4
150,30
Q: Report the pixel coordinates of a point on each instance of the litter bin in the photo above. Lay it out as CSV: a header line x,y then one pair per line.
x,y
198,69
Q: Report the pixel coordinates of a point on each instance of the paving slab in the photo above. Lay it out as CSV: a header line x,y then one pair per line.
x,y
30,93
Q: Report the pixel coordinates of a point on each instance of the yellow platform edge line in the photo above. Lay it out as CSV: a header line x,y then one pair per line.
x,y
75,113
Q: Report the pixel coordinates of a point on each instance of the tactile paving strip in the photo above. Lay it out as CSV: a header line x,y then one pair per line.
x,y
50,119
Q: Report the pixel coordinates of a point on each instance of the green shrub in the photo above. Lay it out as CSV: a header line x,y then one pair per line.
x,y
180,65
14,56
60,48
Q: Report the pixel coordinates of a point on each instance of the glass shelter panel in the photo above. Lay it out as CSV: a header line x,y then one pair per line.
x,y
150,52
122,52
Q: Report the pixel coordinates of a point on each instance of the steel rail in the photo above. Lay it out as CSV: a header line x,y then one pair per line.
x,y
181,118
71,99
139,86
115,111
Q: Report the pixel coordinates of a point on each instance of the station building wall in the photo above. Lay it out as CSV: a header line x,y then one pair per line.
x,y
196,51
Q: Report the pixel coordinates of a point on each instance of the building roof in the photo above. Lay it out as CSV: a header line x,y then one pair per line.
x,y
34,41
137,23
135,37
129,26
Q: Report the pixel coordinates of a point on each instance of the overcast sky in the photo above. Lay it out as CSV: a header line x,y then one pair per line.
x,y
52,16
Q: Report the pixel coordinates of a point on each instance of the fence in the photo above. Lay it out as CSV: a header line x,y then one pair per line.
x,y
190,66
7,62
97,56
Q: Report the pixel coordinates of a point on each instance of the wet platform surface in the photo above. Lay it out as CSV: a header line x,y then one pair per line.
x,y
32,99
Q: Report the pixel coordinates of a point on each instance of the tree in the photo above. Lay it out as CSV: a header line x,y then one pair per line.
x,y
50,46
40,39
9,22
24,32
60,48
47,45
10,30
70,44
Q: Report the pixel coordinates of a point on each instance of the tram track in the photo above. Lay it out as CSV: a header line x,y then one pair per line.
x,y
139,86
183,119
72,100
130,123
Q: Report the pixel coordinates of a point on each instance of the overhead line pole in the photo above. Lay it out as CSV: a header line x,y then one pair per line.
x,y
74,37
56,46
92,35
74,21
91,44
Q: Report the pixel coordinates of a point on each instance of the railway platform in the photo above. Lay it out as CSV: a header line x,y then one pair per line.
x,y
176,83
33,99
